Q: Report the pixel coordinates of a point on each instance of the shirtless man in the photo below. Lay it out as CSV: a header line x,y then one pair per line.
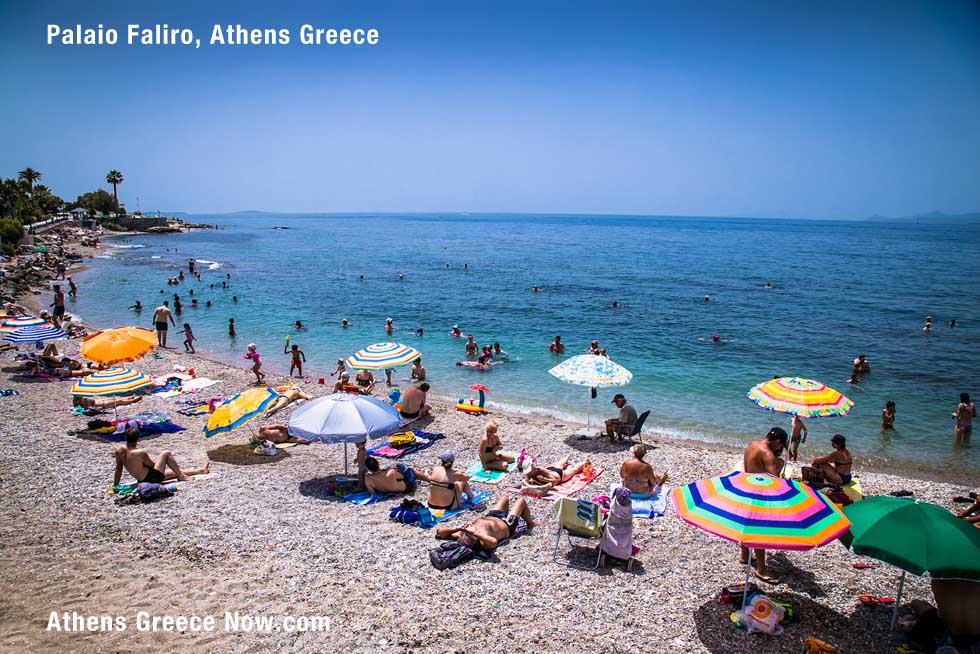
x,y
836,466
762,456
278,434
413,401
418,370
471,346
639,476
798,434
888,416
284,399
965,412
160,317
365,381
397,479
447,486
557,347
556,474
59,306
488,531
139,464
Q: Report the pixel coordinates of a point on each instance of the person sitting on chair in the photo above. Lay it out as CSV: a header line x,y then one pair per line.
x,y
623,423
488,531
836,466
638,476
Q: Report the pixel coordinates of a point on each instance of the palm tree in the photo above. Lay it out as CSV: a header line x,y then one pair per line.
x,y
30,176
115,178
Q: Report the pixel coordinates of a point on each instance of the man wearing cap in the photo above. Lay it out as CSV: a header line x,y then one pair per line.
x,y
763,456
624,421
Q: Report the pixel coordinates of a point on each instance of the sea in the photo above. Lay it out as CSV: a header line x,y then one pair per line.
x,y
839,289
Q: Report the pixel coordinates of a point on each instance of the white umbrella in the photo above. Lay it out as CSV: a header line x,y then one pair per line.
x,y
593,371
343,418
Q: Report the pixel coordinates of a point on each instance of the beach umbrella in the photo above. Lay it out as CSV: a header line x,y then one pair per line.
x,y
343,418
800,397
118,345
758,510
111,381
915,537
482,390
238,410
382,355
35,334
592,371
13,324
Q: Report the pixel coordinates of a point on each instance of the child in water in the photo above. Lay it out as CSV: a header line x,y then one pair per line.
x,y
188,339
253,355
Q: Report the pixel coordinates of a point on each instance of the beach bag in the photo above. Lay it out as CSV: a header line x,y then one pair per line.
x,y
762,615
812,475
403,515
401,439
449,555
266,448
151,492
733,593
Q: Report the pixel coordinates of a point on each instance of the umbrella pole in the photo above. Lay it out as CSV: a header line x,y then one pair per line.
x,y
898,600
345,459
745,588
588,424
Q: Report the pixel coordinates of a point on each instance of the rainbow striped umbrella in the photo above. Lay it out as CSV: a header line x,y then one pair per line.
x,y
801,397
36,334
382,355
111,381
13,324
239,409
760,511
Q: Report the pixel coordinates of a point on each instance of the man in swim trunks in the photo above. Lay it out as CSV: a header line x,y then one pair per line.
x,y
471,346
888,416
798,434
397,479
160,316
365,381
557,347
965,412
278,434
59,306
139,464
625,420
413,401
836,466
763,456
489,530
418,370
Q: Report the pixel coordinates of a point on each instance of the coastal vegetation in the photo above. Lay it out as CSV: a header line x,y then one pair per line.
x,y
24,200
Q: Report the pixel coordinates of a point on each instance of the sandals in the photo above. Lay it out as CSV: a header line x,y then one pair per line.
x,y
769,579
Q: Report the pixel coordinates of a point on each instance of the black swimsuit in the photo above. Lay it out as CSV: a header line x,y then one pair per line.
x,y
154,476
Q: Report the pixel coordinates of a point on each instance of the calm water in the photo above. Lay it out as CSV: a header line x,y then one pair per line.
x,y
840,289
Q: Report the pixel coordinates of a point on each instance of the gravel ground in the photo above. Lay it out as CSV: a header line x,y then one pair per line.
x,y
261,537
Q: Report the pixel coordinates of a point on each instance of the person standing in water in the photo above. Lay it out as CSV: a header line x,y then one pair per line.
x,y
160,317
888,416
965,412
231,327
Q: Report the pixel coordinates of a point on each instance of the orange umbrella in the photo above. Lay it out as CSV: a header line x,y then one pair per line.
x,y
118,345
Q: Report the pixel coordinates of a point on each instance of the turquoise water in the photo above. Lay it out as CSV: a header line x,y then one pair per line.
x,y
840,289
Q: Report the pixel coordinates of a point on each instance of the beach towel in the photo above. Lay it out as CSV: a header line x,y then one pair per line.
x,y
567,489
439,515
646,507
853,490
365,498
194,410
423,439
477,473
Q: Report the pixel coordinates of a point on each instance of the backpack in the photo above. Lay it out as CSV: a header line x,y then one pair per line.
x,y
449,555
150,492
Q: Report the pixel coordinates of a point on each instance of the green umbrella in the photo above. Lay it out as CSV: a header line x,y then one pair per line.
x,y
915,537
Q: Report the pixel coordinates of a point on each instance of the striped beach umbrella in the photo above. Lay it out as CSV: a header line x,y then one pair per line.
x,y
13,324
111,381
382,355
35,334
238,410
592,371
801,397
758,510
118,345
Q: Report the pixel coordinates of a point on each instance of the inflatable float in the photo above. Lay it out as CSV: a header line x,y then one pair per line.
x,y
473,405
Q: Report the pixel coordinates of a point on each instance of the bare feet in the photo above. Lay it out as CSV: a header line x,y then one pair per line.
x,y
768,578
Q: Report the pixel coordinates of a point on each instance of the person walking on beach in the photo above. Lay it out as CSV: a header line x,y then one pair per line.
x,y
965,412
299,358
252,354
160,317
763,456
59,306
798,434
188,338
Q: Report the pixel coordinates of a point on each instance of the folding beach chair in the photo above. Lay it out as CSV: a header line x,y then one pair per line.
x,y
581,519
629,431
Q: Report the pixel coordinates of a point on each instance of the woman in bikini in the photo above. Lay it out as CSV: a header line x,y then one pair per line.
x,y
490,446
836,466
638,476
447,486
556,474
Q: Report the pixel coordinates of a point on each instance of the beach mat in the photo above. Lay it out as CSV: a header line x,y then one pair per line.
x,y
365,498
567,489
478,474
423,439
647,507
440,514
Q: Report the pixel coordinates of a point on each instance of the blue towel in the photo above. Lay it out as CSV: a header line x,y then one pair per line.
x,y
365,498
476,499
650,507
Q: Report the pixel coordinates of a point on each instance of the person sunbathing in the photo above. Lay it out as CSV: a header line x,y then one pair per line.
x,y
278,434
447,486
490,446
488,531
139,464
105,402
284,399
836,466
397,479
971,514
557,474
639,476
365,381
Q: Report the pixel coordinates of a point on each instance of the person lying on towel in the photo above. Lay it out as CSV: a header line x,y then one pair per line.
x,y
277,434
556,474
396,479
139,464
489,530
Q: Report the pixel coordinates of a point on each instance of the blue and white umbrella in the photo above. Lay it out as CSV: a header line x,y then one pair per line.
x,y
35,334
343,418
593,371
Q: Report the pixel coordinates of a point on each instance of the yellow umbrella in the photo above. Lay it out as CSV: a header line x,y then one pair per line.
x,y
239,409
118,345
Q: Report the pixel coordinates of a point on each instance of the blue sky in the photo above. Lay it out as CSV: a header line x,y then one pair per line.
x,y
783,109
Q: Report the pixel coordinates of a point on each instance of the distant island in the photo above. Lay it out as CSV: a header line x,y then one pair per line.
x,y
932,218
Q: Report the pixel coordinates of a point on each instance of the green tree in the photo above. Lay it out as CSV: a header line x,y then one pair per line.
x,y
15,199
30,176
115,178
100,200
11,231
45,201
